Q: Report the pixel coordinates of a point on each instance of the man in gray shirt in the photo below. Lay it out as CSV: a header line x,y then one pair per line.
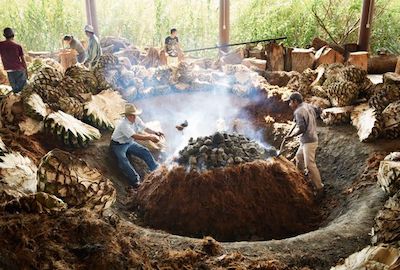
x,y
305,116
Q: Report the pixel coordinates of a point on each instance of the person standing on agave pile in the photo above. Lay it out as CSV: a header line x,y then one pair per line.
x,y
76,45
305,116
123,143
13,60
94,49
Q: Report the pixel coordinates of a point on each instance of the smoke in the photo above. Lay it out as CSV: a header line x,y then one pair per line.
x,y
205,112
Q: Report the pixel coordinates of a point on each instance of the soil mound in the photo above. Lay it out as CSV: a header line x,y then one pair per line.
x,y
256,200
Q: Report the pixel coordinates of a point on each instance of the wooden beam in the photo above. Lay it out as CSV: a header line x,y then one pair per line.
x,y
91,15
224,23
364,34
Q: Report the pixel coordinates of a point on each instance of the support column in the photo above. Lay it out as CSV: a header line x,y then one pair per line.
x,y
224,23
91,15
365,25
88,12
94,17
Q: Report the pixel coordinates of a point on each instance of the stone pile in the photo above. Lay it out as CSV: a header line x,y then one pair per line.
x,y
221,149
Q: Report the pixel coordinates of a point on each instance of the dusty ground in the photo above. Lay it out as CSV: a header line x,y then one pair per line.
x,y
351,202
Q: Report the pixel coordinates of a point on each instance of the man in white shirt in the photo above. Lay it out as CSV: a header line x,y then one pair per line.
x,y
123,143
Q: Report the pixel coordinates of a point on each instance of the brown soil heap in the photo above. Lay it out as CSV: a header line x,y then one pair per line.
x,y
254,200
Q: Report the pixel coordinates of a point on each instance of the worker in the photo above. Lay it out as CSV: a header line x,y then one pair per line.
x,y
12,57
123,143
94,49
172,47
305,117
76,45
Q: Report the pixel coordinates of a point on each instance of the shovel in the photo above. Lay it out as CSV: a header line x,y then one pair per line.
x,y
284,140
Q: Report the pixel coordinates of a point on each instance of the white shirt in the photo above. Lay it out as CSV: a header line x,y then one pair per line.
x,y
125,129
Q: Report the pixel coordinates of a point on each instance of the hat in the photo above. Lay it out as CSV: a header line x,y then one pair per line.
x,y
296,96
131,109
89,28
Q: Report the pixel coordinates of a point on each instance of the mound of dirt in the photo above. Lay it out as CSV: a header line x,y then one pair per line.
x,y
257,200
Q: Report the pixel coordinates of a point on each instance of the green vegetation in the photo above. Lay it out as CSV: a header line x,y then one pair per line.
x,y
40,24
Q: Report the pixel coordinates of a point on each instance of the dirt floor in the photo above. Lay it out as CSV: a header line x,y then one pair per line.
x,y
119,240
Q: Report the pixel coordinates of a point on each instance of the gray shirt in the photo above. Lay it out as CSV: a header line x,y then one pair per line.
x,y
305,117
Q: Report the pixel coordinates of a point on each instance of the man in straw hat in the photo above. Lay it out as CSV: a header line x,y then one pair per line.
x,y
123,143
94,49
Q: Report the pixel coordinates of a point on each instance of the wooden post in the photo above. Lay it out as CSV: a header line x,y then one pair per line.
x,y
359,59
67,58
275,55
327,55
302,59
365,25
91,15
224,24
94,17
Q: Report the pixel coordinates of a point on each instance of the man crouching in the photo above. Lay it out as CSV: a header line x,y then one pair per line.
x,y
123,143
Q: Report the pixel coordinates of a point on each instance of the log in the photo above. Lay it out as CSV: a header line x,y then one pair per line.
x,y
275,55
280,78
398,66
253,62
256,53
380,64
302,59
288,59
67,58
318,43
233,57
327,55
359,59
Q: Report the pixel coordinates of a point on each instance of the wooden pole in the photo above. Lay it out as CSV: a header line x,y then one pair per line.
x,y
224,24
365,25
88,12
94,17
91,15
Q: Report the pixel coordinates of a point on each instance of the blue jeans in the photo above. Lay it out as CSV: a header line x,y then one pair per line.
x,y
122,151
17,80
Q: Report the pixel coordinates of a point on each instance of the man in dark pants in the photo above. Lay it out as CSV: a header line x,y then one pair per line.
x,y
13,60
75,44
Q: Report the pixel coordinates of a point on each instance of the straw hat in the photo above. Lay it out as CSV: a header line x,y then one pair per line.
x,y
131,109
89,28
